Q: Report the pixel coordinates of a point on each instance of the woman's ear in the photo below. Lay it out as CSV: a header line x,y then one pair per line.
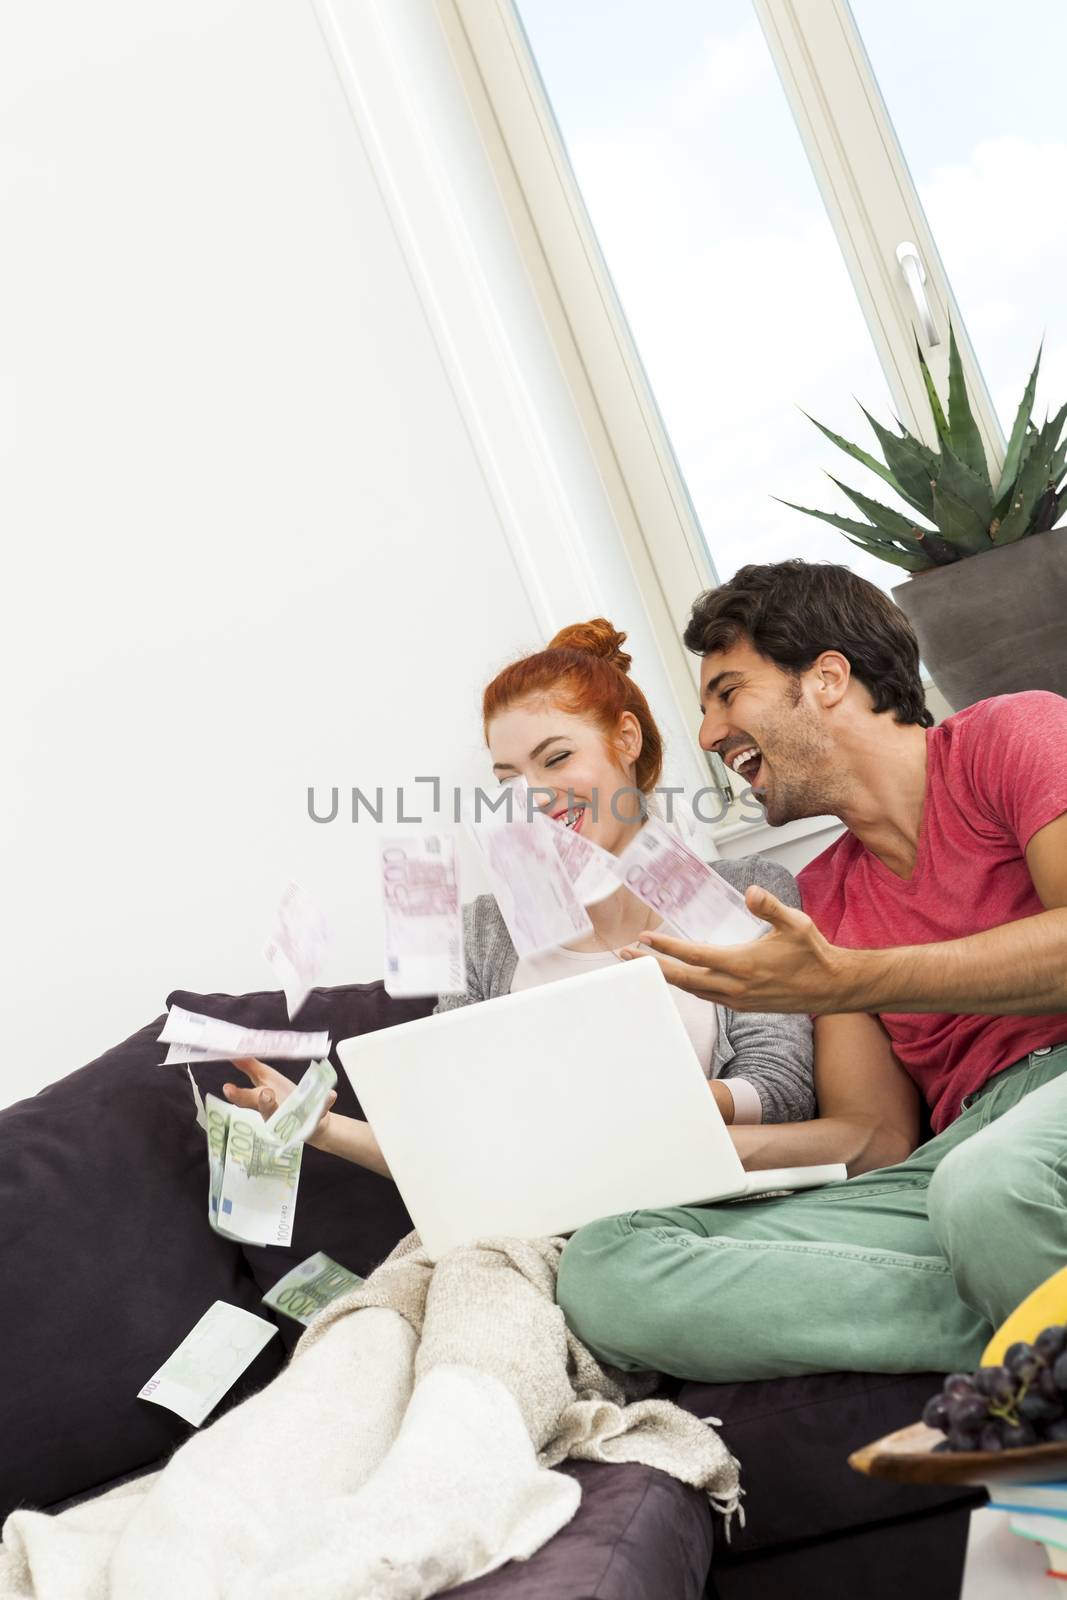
x,y
628,738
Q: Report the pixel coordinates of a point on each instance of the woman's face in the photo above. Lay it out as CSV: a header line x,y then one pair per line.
x,y
569,759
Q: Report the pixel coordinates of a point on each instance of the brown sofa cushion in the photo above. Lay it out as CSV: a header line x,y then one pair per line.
x,y
793,1437
108,1263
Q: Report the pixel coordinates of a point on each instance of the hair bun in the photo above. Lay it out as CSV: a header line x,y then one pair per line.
x,y
598,638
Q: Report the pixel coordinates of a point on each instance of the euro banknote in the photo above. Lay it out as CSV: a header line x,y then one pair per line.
x,y
298,945
530,884
590,869
193,1037
423,915
662,870
316,1282
208,1362
254,1165
299,1113
253,1180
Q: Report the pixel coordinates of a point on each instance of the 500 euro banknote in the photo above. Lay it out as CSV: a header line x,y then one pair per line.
x,y
193,1037
660,869
297,948
423,915
530,883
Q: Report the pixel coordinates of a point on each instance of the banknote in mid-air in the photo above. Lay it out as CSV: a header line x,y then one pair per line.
x,y
193,1037
590,869
208,1362
530,884
316,1282
660,869
297,948
300,1112
253,1180
254,1165
423,915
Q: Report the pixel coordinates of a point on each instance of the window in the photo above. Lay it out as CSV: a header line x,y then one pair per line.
x,y
987,150
723,257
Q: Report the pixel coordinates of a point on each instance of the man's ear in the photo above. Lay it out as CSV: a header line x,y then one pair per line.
x,y
833,674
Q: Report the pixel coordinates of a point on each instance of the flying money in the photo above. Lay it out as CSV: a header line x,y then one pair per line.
x,y
423,915
590,869
254,1166
300,1112
208,1362
297,948
253,1180
660,869
193,1037
532,889
304,1291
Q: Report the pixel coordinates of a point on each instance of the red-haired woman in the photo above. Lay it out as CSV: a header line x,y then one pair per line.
x,y
571,721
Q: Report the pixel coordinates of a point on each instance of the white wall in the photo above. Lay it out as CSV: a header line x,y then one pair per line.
x,y
247,545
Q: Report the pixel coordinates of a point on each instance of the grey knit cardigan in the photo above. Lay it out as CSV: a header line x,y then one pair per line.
x,y
773,1051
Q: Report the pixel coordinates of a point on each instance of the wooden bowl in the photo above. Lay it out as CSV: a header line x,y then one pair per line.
x,y
908,1456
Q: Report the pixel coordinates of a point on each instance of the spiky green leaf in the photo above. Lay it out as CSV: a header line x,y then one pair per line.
x,y
963,435
1030,485
1013,457
940,421
911,463
955,477
899,558
868,537
864,458
890,522
958,524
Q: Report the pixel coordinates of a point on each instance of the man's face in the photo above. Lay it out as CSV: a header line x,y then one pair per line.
x,y
765,726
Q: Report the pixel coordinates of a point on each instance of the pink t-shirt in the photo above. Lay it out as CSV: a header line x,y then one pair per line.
x,y
996,774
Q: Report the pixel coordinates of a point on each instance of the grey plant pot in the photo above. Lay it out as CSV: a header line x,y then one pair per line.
x,y
994,623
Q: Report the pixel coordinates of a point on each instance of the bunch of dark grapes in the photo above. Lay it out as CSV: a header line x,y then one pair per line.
x,y
1004,1408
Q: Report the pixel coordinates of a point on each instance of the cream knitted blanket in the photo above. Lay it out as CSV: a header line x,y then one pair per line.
x,y
402,1450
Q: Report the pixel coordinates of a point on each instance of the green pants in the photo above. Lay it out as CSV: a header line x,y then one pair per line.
x,y
905,1269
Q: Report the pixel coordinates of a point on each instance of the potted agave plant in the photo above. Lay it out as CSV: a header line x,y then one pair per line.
x,y
987,594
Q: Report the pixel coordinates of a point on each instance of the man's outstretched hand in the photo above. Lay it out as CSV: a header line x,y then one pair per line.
x,y
792,968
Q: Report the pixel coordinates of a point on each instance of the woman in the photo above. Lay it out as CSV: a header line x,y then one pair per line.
x,y
571,721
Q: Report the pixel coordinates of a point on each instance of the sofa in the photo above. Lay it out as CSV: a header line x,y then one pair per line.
x,y
108,1261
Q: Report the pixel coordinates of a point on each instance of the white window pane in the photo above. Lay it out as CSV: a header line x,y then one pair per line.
x,y
975,91
724,260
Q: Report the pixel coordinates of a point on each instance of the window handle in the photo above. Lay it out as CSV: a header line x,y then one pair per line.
x,y
911,266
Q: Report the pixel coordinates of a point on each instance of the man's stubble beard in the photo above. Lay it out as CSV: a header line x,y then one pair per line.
x,y
804,783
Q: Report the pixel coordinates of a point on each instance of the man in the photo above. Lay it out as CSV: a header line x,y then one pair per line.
x,y
931,951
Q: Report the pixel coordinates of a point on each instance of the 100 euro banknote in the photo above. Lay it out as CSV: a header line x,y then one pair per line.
x,y
208,1362
254,1165
315,1283
252,1180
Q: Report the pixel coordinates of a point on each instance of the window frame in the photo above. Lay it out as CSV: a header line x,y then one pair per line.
x,y
873,205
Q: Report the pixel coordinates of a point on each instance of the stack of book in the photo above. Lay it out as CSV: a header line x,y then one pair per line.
x,y
1037,1511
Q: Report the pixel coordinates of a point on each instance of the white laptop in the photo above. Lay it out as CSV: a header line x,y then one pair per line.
x,y
534,1113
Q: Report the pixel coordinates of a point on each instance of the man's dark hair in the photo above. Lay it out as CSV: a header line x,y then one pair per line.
x,y
794,610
